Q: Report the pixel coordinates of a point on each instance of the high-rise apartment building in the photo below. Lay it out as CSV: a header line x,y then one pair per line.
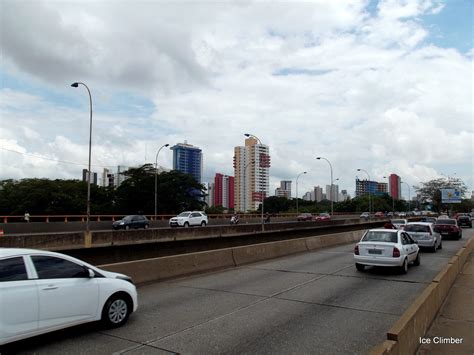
x,y
284,190
188,159
251,175
332,194
318,194
395,186
224,191
209,199
364,187
85,176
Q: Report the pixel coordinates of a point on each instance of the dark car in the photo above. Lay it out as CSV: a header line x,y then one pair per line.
x,y
132,221
448,227
464,221
305,217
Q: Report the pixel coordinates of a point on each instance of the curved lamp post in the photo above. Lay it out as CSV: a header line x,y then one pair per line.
x,y
88,213
261,192
368,185
156,176
304,172
409,194
332,184
393,199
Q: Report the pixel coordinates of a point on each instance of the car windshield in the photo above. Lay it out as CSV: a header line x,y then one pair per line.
x,y
446,221
324,215
417,228
184,214
398,221
380,236
127,218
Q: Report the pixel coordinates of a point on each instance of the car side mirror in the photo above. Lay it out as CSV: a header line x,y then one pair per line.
x,y
91,273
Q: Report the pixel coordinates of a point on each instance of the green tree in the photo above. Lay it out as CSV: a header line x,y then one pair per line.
x,y
430,191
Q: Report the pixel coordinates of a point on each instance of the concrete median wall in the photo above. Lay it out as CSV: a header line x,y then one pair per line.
x,y
162,268
403,337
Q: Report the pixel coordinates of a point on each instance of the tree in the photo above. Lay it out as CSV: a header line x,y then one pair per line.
x,y
274,204
430,192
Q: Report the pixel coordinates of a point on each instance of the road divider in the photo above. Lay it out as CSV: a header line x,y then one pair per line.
x,y
162,268
403,337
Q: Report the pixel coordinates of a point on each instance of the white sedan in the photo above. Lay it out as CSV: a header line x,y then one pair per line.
x,y
42,291
386,247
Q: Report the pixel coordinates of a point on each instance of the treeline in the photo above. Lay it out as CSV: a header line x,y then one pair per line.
x,y
176,191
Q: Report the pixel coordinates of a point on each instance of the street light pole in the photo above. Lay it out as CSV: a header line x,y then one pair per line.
x,y
156,176
332,183
88,208
409,195
304,172
393,199
262,194
368,185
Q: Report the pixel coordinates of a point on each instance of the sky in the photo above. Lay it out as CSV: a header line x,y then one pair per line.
x,y
385,86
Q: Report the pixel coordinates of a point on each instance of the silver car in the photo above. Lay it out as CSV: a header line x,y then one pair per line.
x,y
399,223
425,235
386,247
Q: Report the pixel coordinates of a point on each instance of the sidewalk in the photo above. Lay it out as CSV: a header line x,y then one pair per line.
x,y
455,320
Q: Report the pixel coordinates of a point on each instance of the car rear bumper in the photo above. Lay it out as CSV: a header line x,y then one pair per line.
x,y
378,261
426,243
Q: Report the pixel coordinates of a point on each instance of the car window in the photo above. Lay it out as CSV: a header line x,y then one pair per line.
x,y
405,239
195,215
49,267
184,214
127,218
417,228
380,236
13,269
446,221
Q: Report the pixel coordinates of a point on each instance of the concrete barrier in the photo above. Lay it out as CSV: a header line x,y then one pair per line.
x,y
148,270
257,252
416,320
156,269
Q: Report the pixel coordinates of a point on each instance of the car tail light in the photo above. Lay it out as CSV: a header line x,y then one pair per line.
x,y
356,250
396,253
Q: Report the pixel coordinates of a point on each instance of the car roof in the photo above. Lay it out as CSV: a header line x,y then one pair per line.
x,y
384,230
5,252
422,223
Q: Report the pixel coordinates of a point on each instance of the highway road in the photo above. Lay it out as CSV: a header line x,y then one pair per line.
x,y
308,303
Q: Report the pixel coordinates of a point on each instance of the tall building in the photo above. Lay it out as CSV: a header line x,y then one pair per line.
x,y
210,194
120,177
344,195
332,194
284,190
251,175
224,191
395,186
364,187
188,159
308,196
85,176
318,194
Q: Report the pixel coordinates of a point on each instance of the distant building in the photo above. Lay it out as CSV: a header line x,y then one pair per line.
x,y
318,194
223,191
307,196
251,175
395,186
344,195
210,194
85,177
364,187
120,177
188,159
284,190
332,194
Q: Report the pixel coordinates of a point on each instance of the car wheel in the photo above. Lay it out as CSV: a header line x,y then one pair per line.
x,y
203,224
116,310
186,225
433,249
360,267
127,228
440,244
417,260
404,267
146,226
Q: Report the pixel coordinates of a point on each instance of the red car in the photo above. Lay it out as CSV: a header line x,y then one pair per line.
x,y
379,215
305,217
323,217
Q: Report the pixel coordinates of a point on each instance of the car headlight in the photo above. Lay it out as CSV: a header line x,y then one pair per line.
x,y
125,278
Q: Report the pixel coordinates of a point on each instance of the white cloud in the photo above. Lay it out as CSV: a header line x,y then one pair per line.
x,y
368,95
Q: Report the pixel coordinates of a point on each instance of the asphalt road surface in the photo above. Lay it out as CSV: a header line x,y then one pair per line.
x,y
308,303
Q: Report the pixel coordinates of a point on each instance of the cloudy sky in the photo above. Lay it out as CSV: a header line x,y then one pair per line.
x,y
386,86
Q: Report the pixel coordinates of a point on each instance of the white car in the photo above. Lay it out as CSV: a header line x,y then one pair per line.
x,y
399,223
42,291
188,219
425,234
386,247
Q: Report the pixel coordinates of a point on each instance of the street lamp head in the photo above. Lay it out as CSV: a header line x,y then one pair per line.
x,y
358,169
167,145
247,134
318,158
304,172
75,85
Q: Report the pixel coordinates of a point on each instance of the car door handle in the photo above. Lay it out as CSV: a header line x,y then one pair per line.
x,y
50,287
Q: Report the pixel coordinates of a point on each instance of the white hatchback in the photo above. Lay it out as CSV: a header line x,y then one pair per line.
x,y
425,234
42,291
386,247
